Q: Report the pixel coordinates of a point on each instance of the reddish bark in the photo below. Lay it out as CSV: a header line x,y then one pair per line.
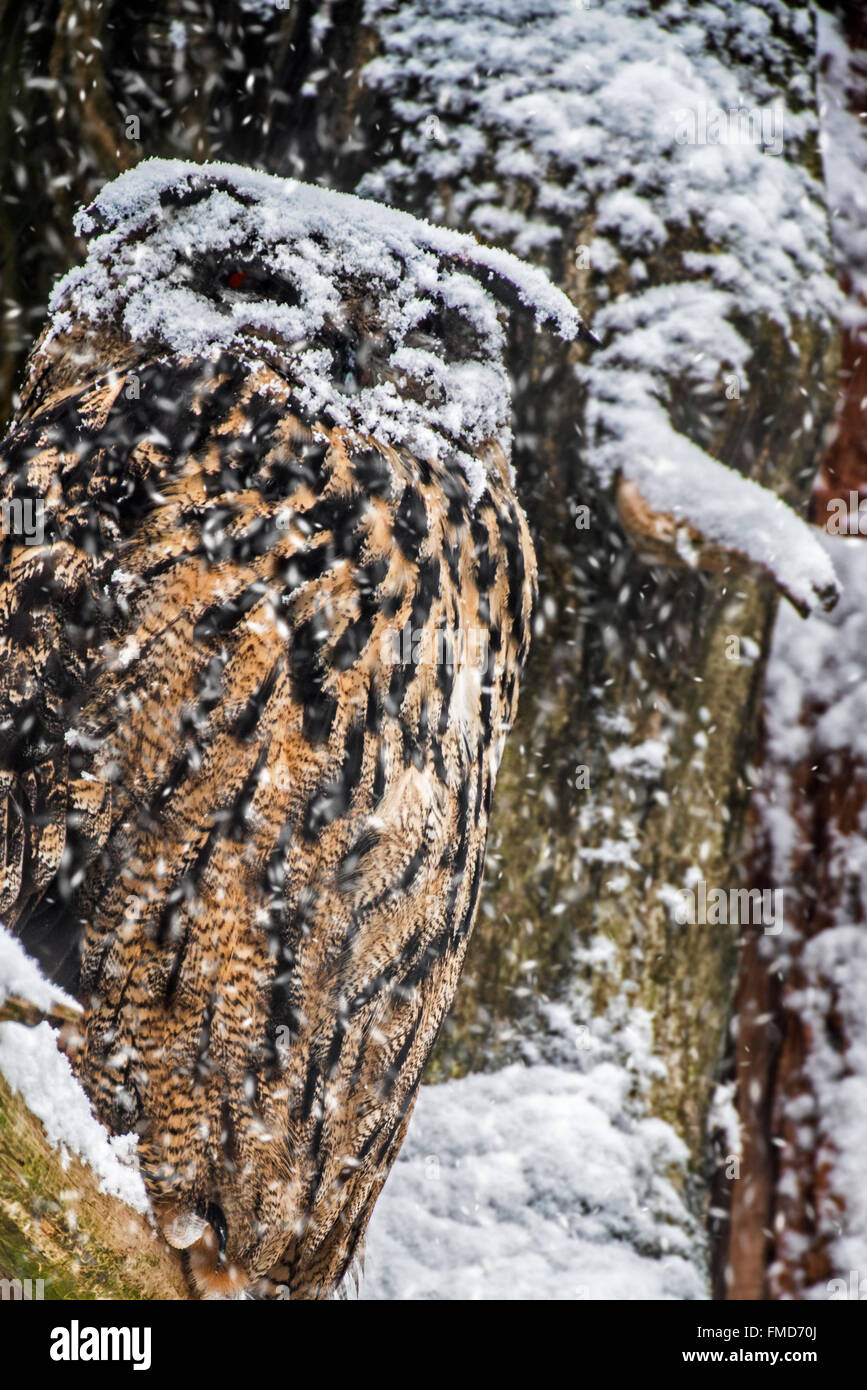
x,y
783,1210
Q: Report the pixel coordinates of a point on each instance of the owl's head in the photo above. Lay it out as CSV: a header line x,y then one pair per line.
x,y
377,320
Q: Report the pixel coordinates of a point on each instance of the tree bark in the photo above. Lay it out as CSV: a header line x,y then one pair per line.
x,y
57,1227
788,1221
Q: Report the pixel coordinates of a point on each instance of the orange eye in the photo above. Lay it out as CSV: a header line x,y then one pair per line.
x,y
236,279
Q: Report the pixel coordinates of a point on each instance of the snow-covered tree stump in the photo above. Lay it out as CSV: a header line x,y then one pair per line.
x,y
74,1217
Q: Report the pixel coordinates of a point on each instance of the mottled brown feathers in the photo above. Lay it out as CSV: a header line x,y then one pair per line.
x,y
254,686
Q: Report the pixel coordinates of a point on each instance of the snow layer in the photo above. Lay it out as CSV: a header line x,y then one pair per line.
x,y
820,666
33,1066
546,1179
635,130
528,1184
20,975
835,963
352,305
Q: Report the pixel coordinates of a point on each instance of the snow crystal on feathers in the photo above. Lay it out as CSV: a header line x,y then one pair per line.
x,y
153,229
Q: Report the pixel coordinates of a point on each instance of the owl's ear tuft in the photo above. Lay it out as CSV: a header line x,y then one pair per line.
x,y
507,292
91,221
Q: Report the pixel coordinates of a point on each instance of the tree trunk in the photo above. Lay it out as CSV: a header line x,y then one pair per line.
x,y
796,1220
58,1228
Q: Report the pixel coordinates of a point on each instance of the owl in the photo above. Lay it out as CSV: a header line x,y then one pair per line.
x,y
266,595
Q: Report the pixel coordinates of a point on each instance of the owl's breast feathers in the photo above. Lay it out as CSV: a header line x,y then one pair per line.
x,y
254,686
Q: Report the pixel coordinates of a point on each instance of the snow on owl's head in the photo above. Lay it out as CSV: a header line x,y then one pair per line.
x,y
383,322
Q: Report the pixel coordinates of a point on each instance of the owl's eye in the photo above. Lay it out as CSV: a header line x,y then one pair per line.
x,y
236,279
